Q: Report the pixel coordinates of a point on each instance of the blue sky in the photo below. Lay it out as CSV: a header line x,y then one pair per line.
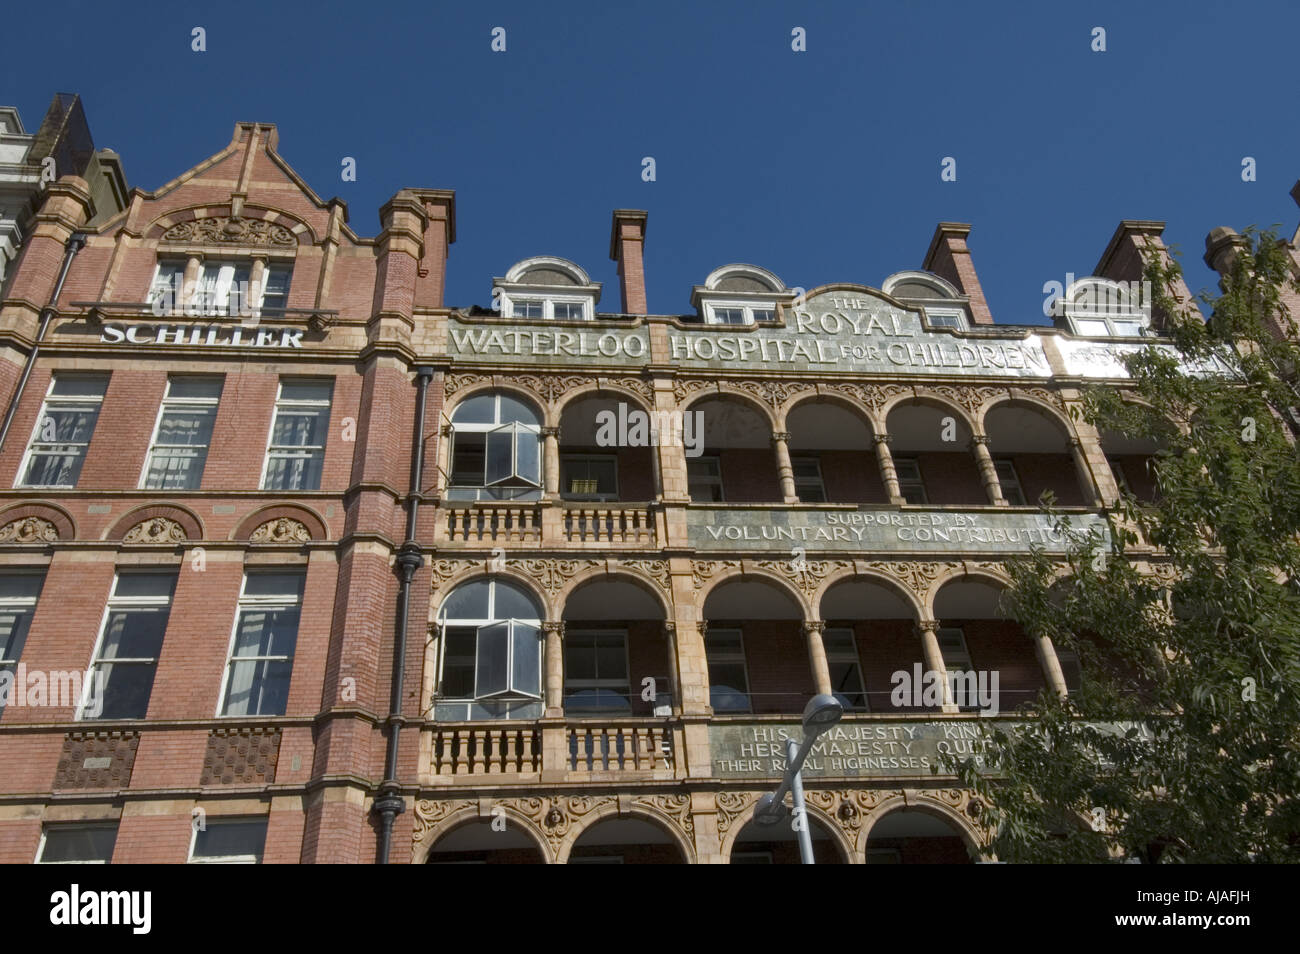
x,y
822,166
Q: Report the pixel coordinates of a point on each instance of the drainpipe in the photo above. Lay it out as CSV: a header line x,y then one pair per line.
x,y
76,241
389,803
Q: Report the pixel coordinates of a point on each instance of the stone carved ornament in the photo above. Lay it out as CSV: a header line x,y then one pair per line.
x,y
281,530
29,530
157,530
549,387
230,230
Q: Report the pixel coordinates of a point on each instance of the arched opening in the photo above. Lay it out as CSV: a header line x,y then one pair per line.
x,y
991,663
1132,463
1032,454
870,634
607,450
489,652
626,841
614,640
911,837
931,448
480,843
756,650
778,844
735,462
832,455
495,448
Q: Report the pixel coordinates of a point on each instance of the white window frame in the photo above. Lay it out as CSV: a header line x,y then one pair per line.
x,y
548,302
848,656
1004,466
703,458
958,314
918,481
56,400
195,305
288,450
959,656
471,427
271,601
180,402
113,603
45,829
730,657
747,308
816,481
17,604
228,859
602,497
598,683
510,694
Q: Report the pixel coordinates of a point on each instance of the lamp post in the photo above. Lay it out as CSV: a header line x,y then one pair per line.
x,y
822,712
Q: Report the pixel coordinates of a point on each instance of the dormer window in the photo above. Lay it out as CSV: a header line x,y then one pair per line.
x,y
740,295
1103,308
547,288
941,303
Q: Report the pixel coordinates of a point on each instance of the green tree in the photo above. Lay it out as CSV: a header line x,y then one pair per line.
x,y
1204,657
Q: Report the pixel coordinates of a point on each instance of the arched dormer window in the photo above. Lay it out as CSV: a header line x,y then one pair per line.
x,y
548,288
943,305
1101,307
740,295
490,663
496,449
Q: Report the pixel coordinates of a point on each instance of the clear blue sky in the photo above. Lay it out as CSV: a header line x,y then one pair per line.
x,y
822,166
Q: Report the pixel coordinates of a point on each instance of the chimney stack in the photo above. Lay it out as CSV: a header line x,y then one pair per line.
x,y
949,258
626,241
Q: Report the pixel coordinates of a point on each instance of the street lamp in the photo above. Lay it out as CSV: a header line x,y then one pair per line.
x,y
822,712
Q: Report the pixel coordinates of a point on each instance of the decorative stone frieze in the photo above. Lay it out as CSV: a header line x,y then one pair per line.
x,y
29,530
230,230
281,530
156,530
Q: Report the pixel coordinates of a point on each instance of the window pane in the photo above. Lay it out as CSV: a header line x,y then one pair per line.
x,y
458,662
72,424
512,602
224,839
480,409
21,585
467,459
77,385
157,585
127,687
300,427
297,472
500,449
207,388
176,469
299,390
184,425
528,456
14,624
258,687
527,672
69,844
579,656
492,674
513,409
267,632
468,601
274,584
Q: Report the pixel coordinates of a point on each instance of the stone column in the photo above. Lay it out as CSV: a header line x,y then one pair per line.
x,y
256,284
821,670
784,469
554,630
1087,486
1051,664
888,473
928,629
988,473
551,461
190,287
674,665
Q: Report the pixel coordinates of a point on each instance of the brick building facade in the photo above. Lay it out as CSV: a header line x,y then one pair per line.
x,y
256,458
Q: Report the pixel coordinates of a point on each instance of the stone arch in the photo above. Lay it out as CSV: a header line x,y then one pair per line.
x,y
64,526
932,399
422,849
995,577
309,518
727,391
304,234
891,583
848,853
483,569
1020,399
188,520
662,597
842,400
594,389
641,812
922,802
750,574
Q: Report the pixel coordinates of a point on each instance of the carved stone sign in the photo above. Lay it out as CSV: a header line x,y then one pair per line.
x,y
717,528
849,750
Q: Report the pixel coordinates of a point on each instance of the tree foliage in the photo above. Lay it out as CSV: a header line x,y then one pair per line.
x,y
1198,665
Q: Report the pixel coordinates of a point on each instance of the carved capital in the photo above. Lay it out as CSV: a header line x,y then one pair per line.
x,y
781,436
811,626
884,438
980,439
551,430
931,625
553,627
